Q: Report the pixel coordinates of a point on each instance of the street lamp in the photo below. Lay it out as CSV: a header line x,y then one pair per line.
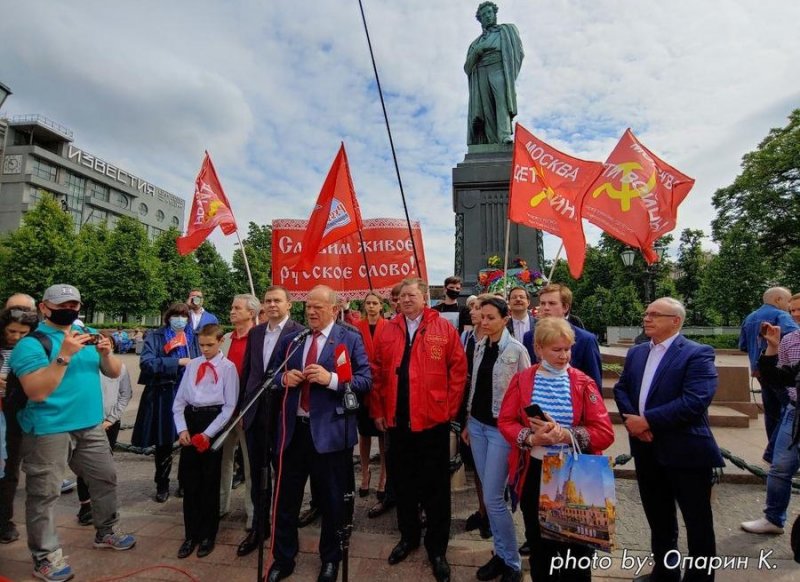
x,y
629,255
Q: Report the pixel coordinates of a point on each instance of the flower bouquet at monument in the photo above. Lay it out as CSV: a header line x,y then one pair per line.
x,y
494,280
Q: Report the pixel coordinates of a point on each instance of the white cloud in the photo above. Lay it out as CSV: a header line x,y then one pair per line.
x,y
270,89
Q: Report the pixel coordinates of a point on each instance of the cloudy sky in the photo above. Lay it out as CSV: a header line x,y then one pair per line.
x,y
271,88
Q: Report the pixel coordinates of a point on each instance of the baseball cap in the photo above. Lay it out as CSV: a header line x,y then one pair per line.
x,y
59,294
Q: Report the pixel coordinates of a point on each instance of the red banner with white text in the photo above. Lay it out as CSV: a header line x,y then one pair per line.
x,y
390,258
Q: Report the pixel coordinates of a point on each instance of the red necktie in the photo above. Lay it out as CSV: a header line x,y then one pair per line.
x,y
311,358
201,371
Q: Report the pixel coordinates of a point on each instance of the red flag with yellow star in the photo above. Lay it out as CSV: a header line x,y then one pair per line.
x,y
636,198
547,190
210,208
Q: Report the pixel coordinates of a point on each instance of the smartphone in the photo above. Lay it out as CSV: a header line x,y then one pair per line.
x,y
763,329
535,411
93,337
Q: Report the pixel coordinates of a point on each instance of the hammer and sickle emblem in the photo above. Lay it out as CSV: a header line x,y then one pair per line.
x,y
626,192
546,193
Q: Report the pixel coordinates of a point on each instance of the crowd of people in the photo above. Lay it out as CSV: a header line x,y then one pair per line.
x,y
404,373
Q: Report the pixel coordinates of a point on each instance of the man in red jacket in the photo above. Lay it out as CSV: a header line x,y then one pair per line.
x,y
419,375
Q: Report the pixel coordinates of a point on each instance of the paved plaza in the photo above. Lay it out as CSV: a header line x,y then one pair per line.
x,y
159,531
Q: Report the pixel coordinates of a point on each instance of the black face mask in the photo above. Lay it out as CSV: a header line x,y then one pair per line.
x,y
452,293
63,316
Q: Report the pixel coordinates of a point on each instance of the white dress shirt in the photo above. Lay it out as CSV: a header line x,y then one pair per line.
x,y
413,326
321,339
208,392
521,327
657,352
271,339
195,317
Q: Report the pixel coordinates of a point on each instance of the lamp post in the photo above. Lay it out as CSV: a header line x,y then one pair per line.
x,y
628,257
4,93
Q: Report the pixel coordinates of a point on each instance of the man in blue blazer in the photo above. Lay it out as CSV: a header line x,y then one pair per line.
x,y
260,359
521,320
199,316
555,300
315,436
663,395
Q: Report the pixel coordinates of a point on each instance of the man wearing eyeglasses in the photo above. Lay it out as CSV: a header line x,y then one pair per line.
x,y
663,394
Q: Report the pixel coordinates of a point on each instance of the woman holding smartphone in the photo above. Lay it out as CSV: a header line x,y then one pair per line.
x,y
498,358
545,408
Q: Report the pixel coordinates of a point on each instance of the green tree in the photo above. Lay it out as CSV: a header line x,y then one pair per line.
x,y
179,274
217,282
129,284
765,198
258,245
691,261
90,253
41,252
736,277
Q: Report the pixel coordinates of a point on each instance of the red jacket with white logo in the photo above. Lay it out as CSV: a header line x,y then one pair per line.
x,y
437,371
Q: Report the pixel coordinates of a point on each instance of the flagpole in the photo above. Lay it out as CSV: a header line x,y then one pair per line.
x,y
505,261
555,261
246,264
391,141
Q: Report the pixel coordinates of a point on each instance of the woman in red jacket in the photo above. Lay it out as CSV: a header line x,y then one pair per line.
x,y
370,327
573,408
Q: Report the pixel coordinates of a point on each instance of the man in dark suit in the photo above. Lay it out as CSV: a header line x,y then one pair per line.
x,y
260,359
555,300
315,434
663,394
521,320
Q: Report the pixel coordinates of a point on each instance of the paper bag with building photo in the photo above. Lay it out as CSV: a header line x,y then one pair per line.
x,y
577,501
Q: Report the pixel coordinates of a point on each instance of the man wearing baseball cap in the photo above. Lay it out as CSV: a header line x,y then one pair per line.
x,y
61,426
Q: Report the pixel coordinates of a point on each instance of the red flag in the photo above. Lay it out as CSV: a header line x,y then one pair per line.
x,y
210,209
547,191
636,198
175,342
336,213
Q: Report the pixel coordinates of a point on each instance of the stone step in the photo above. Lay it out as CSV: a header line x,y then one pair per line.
x,y
718,415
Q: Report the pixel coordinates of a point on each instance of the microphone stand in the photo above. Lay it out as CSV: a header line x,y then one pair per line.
x,y
263,470
349,496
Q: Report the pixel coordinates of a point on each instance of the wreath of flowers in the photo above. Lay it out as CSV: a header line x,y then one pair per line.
x,y
494,280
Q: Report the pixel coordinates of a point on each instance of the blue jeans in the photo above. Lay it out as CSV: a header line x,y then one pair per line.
x,y
785,462
490,451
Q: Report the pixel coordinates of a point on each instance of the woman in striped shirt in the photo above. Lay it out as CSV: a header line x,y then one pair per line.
x,y
572,408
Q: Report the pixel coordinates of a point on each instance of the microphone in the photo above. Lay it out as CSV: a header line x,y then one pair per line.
x,y
301,336
343,367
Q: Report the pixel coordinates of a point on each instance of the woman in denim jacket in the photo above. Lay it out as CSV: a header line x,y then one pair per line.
x,y
498,357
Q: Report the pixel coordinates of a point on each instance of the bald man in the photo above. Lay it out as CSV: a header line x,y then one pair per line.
x,y
774,311
315,435
21,300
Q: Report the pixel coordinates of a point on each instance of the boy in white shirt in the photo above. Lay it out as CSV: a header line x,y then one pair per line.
x,y
203,406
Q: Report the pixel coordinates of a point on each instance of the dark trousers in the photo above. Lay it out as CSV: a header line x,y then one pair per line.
x,y
200,475
111,434
257,450
163,459
332,476
8,484
774,398
544,550
419,465
660,489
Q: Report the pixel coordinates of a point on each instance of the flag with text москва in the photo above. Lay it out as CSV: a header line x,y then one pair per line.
x,y
636,198
210,208
335,215
547,192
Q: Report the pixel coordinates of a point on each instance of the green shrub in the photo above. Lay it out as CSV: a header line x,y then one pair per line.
x,y
721,342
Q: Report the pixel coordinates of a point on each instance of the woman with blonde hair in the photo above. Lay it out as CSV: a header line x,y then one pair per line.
x,y
573,409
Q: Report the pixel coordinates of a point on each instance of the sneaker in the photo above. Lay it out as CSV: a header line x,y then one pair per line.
x,y
761,526
114,541
68,485
473,521
53,568
85,514
8,533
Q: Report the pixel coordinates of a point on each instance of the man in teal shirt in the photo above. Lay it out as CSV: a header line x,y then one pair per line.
x,y
61,426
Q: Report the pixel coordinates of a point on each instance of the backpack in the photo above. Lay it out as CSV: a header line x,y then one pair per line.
x,y
16,399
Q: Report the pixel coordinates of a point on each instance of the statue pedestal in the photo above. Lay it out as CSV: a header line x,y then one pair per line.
x,y
480,201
